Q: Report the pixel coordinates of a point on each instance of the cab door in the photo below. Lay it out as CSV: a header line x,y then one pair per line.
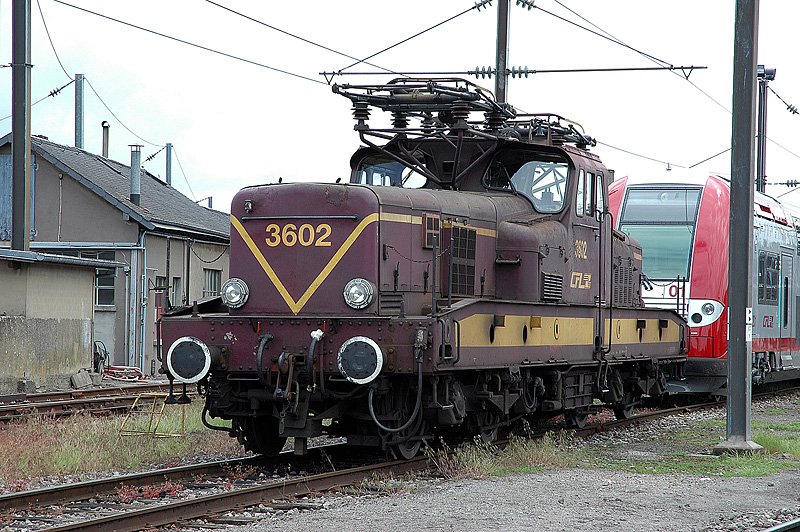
x,y
583,279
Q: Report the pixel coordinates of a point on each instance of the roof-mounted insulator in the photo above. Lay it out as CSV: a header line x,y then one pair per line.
x,y
361,115
427,123
460,113
399,120
494,121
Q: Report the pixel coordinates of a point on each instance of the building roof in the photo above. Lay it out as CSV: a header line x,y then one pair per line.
x,y
161,206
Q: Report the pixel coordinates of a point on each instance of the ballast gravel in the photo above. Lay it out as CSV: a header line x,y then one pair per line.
x,y
573,499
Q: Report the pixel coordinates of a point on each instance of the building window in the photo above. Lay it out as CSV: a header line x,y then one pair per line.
x,y
177,292
161,283
104,278
212,280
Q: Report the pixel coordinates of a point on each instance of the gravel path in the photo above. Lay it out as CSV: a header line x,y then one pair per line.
x,y
575,499
564,500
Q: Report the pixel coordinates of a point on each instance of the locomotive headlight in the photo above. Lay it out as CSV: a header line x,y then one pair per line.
x,y
360,360
188,359
358,293
235,292
708,309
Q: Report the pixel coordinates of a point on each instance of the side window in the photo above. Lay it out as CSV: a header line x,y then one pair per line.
x,y
600,194
768,278
762,263
579,195
589,193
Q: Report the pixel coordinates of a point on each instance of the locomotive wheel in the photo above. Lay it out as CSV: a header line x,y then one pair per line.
x,y
575,418
484,421
408,449
260,435
625,409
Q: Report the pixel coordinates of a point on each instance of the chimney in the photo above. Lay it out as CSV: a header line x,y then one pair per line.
x,y
136,173
105,138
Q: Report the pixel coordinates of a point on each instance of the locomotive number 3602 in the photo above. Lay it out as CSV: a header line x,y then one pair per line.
x,y
306,235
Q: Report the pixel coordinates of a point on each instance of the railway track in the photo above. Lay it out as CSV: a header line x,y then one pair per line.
x,y
66,403
94,505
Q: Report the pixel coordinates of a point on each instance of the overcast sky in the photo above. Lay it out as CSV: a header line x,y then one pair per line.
x,y
235,124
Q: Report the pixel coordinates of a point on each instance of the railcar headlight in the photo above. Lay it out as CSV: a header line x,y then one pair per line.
x,y
708,309
188,359
360,360
358,293
235,292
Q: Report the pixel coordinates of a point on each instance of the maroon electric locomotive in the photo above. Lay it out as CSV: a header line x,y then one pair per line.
x,y
467,276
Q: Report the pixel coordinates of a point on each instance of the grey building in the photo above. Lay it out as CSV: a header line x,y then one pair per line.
x,y
174,250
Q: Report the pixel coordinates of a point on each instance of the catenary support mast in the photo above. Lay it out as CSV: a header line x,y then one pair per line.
x,y
740,314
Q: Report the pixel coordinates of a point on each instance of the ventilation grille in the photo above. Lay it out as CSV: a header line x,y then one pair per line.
x,y
623,286
552,286
463,253
391,303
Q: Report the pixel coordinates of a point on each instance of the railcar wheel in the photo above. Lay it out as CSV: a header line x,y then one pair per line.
x,y
575,418
408,448
260,435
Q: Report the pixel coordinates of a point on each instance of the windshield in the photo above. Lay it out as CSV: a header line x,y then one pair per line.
x,y
379,170
662,220
540,177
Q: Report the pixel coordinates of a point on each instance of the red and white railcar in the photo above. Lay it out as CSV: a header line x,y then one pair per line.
x,y
683,228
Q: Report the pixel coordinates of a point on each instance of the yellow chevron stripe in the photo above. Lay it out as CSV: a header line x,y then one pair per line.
x,y
297,306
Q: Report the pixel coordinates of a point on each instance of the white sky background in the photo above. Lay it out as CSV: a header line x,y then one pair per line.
x,y
233,124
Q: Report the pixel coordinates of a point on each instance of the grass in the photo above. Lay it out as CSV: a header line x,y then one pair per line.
x,y
682,451
42,446
521,455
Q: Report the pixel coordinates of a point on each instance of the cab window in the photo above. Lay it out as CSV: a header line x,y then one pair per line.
x,y
379,170
600,195
542,178
579,195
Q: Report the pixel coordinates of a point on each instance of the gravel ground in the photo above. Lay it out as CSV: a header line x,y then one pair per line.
x,y
574,499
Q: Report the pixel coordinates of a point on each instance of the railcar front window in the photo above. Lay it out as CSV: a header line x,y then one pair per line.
x,y
662,220
385,172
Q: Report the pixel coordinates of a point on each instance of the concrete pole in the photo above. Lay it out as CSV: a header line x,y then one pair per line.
x,y
740,290
21,125
169,163
79,111
501,79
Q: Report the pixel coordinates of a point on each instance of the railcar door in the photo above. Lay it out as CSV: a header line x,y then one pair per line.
x,y
786,310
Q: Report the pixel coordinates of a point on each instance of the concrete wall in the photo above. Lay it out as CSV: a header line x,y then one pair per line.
x,y
45,323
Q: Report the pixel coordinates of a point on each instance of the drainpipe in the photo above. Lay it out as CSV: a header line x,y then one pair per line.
x,y
132,301
105,125
143,315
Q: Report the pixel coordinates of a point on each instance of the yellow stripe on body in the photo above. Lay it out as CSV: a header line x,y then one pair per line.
x,y
417,220
297,306
570,331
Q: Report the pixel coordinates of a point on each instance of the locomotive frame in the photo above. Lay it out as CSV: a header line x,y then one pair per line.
x,y
392,315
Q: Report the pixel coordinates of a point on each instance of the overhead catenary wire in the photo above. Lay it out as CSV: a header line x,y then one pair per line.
x,y
476,7
175,153
53,93
49,38
303,39
189,43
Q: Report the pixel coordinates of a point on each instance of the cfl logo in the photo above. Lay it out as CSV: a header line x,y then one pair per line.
x,y
580,280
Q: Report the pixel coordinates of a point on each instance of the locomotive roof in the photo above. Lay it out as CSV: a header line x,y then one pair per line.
x,y
442,116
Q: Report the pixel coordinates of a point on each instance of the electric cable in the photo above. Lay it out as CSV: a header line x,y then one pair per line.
x,y
49,38
189,43
175,152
